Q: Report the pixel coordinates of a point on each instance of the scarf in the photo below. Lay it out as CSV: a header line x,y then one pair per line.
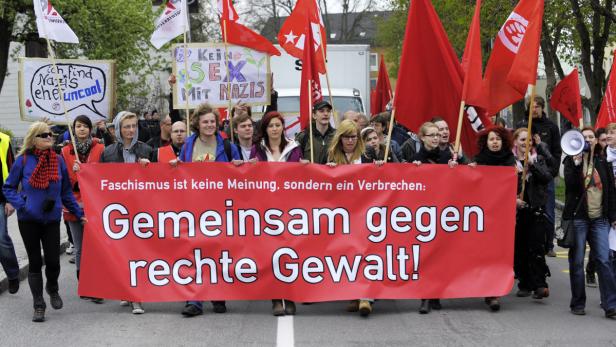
x,y
83,148
46,169
500,158
433,156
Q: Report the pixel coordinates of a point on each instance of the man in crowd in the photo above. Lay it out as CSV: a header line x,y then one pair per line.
x,y
243,129
352,116
549,134
164,139
322,133
172,151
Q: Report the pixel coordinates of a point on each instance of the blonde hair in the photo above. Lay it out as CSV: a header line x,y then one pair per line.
x,y
35,129
335,153
423,129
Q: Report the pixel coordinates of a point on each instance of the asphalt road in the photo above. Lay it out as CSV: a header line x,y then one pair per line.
x,y
467,322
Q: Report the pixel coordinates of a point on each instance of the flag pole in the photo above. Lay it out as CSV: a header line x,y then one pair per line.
x,y
310,121
456,148
531,105
389,132
57,78
329,90
186,106
224,28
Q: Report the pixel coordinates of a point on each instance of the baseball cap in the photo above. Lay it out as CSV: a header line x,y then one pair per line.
x,y
321,104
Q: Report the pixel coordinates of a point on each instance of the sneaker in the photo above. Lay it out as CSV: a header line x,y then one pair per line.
x,y
219,306
72,260
365,308
138,308
353,306
39,315
56,301
289,307
70,249
551,253
277,308
523,293
578,311
493,304
541,292
97,300
14,286
124,303
610,313
591,280
191,311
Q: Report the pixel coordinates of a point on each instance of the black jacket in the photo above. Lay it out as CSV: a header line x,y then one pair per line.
x,y
370,155
435,156
549,133
113,153
574,189
536,190
320,141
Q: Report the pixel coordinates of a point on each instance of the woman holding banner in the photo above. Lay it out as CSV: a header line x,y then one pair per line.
x,y
45,187
273,146
206,145
532,225
590,201
89,150
347,148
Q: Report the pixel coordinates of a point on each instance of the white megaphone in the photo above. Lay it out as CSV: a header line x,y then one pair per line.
x,y
572,142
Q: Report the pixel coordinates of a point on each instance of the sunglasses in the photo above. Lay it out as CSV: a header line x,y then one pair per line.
x,y
44,135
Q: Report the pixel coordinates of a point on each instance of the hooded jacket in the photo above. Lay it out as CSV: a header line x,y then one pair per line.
x,y
114,152
29,201
221,156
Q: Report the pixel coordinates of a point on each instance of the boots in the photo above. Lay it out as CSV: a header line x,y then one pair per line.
x,y
35,280
277,307
54,296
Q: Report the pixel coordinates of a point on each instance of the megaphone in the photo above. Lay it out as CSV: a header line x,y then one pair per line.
x,y
572,143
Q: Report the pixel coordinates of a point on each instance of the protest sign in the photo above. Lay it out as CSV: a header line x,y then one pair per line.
x,y
213,231
249,72
88,88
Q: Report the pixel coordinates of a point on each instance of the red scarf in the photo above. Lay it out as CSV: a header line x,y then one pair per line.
x,y
46,169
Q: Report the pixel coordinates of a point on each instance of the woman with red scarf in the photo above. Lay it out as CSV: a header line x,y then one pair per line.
x,y
45,187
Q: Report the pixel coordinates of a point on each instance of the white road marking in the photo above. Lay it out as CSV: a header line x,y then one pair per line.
x,y
285,336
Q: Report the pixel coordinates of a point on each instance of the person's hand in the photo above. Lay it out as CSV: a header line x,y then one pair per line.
x,y
144,162
473,164
304,161
537,139
76,167
252,161
417,163
452,163
174,162
46,120
101,125
8,209
171,80
237,162
83,220
577,159
520,203
330,164
379,163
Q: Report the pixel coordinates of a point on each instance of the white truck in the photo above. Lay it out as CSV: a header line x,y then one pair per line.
x,y
348,67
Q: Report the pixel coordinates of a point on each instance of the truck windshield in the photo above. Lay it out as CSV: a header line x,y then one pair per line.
x,y
290,104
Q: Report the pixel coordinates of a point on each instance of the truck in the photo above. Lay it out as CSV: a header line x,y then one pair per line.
x,y
348,67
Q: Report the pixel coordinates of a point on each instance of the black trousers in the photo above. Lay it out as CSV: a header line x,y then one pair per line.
x,y
529,253
36,235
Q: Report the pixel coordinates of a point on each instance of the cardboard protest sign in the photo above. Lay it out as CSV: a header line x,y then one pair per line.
x,y
249,72
88,88
213,231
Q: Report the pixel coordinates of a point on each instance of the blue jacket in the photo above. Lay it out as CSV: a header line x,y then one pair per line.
x,y
221,156
29,201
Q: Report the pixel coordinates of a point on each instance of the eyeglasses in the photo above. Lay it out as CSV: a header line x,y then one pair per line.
x,y
432,135
44,135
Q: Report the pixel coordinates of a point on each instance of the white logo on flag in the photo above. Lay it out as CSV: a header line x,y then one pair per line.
x,y
171,23
51,25
512,33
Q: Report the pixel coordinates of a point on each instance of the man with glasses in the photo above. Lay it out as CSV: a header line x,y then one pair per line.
x,y
171,152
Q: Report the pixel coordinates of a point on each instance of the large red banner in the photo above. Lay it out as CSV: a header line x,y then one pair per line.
x,y
212,231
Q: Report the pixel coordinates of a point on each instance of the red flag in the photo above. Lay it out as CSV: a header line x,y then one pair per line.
x,y
472,92
237,34
513,63
293,32
311,85
566,98
382,93
430,76
607,113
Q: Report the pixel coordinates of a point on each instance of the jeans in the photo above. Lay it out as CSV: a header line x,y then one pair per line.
x,y
596,231
76,229
550,205
8,259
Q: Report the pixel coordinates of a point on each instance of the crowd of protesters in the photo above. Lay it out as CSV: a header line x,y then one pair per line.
x,y
39,182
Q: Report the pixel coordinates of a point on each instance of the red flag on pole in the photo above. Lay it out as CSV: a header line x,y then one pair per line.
x,y
237,34
311,85
566,98
293,32
430,76
607,113
513,63
472,92
382,93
